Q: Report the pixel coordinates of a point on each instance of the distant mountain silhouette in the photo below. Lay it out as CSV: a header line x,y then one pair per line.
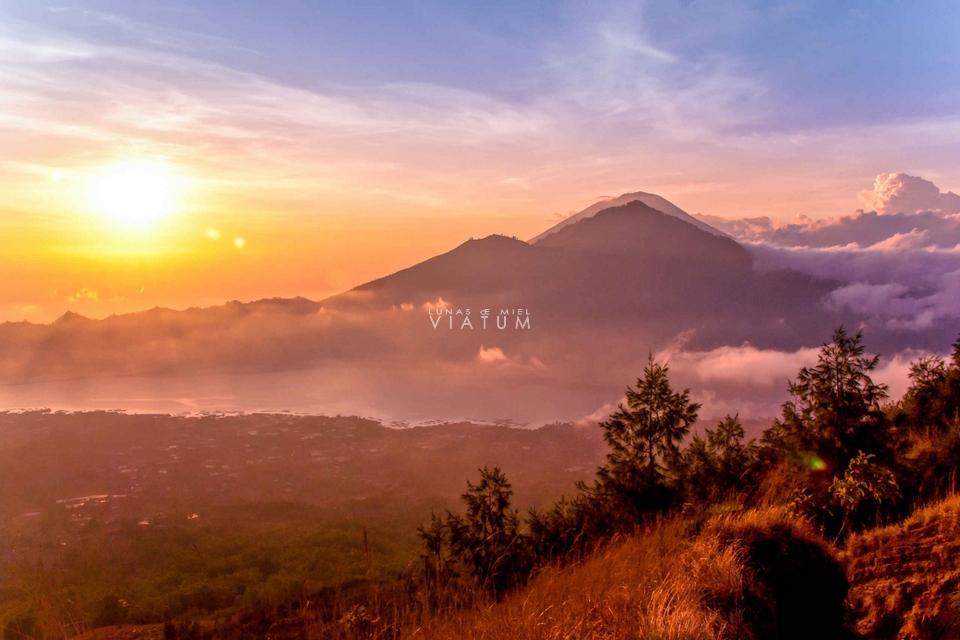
x,y
602,292
609,255
629,265
651,200
627,268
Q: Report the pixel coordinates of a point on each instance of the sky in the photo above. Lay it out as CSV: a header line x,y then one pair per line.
x,y
188,153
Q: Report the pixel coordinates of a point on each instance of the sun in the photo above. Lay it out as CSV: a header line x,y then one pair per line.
x,y
136,193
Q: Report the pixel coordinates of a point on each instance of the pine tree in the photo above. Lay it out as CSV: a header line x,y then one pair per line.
x,y
644,438
734,458
487,539
720,464
931,406
436,546
836,410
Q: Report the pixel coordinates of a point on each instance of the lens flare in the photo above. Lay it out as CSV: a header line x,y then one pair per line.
x,y
814,462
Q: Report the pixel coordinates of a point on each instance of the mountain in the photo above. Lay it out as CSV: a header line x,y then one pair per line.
x,y
572,318
629,266
620,257
651,200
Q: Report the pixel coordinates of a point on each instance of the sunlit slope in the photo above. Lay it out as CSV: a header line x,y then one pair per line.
x,y
763,574
906,578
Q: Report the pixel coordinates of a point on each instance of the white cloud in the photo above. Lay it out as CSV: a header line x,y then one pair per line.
x,y
608,98
898,267
868,298
440,305
93,101
907,213
744,364
611,68
900,193
493,354
753,382
915,239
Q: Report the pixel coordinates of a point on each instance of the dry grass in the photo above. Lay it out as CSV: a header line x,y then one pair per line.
x,y
906,577
662,584
634,584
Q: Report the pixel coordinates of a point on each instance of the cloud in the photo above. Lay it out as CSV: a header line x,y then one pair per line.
x,y
744,228
238,132
907,212
608,81
493,354
83,294
744,364
866,229
868,298
898,267
440,305
901,307
900,193
611,66
753,382
916,239
600,414
896,285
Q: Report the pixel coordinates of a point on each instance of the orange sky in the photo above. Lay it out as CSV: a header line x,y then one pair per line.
x,y
302,235
336,184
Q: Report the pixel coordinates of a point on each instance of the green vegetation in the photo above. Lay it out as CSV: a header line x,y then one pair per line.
x,y
108,518
707,535
255,556
837,457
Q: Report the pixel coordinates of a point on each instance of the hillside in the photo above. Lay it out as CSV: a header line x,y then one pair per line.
x,y
755,574
758,574
905,579
677,580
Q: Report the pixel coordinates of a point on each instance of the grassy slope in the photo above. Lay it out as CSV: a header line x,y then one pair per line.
x,y
905,578
666,584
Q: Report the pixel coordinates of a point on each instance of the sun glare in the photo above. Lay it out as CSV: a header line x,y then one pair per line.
x,y
136,193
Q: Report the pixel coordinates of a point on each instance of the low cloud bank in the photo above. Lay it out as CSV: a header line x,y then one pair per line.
x,y
900,212
753,382
897,265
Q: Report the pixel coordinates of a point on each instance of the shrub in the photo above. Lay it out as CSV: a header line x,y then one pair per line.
x,y
864,489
